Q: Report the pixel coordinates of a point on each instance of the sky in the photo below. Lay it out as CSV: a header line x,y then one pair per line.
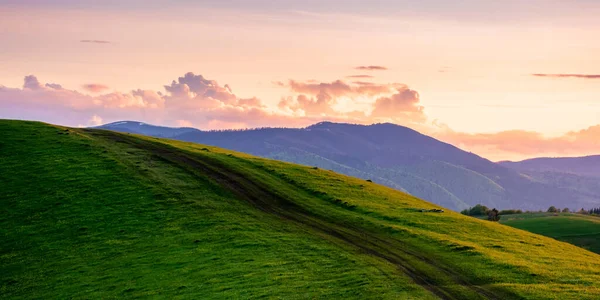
x,y
507,80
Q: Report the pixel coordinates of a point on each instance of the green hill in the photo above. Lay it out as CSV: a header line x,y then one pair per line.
x,y
96,214
397,157
577,229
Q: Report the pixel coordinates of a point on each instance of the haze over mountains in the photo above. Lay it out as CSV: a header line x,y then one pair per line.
x,y
582,166
404,159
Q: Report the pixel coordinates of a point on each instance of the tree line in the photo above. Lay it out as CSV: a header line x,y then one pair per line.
x,y
482,210
494,215
593,211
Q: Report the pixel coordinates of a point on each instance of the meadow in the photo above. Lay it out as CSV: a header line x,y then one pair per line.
x,y
577,229
97,214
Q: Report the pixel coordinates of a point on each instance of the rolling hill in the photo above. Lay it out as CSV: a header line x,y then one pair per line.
x,y
394,156
90,213
577,229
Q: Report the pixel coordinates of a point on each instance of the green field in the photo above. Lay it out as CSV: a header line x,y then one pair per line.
x,y
96,214
577,229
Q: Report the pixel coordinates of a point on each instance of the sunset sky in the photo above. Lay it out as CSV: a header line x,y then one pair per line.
x,y
505,79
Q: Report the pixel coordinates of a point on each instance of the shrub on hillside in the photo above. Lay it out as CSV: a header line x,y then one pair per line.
x,y
477,210
494,215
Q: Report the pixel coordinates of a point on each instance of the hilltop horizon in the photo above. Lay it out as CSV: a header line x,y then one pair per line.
x,y
333,122
401,158
197,102
174,219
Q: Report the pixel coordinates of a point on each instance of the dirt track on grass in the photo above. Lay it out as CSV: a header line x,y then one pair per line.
x,y
453,285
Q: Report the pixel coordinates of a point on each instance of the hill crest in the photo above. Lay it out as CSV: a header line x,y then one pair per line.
x,y
398,157
216,223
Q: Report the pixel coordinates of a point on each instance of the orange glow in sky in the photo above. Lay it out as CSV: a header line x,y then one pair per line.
x,y
462,73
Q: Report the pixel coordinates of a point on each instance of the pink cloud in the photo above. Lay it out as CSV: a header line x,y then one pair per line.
x,y
390,102
95,87
339,88
95,121
371,68
519,144
404,103
359,76
193,100
95,41
584,76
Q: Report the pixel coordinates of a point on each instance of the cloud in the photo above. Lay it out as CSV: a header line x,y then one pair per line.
x,y
334,88
367,102
339,88
363,83
371,68
95,121
95,87
584,76
95,41
403,103
52,103
193,100
360,76
32,83
192,86
54,86
519,144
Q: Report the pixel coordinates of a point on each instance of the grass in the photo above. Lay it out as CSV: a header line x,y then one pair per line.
x,y
577,229
97,214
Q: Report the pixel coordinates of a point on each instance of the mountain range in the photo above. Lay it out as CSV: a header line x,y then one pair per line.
x,y
582,166
407,160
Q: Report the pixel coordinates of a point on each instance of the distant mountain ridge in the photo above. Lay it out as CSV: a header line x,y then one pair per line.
x,y
395,156
146,129
583,166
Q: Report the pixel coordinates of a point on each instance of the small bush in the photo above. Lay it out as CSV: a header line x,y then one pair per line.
x,y
493,215
477,210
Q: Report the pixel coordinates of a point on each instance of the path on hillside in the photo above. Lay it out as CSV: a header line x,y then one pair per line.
x,y
262,197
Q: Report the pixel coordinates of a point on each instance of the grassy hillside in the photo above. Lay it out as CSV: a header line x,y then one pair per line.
x,y
580,230
96,214
395,156
386,176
